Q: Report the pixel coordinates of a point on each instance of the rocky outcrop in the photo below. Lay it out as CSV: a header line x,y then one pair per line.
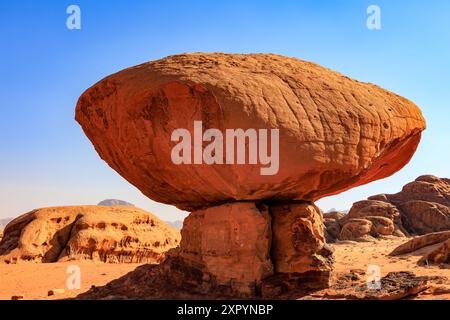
x,y
440,255
423,206
334,133
236,246
253,229
435,247
114,202
107,234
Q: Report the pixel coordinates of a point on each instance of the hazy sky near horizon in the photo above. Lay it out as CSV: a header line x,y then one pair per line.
x,y
46,160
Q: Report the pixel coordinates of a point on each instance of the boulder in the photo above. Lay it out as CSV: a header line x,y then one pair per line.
x,y
421,217
423,205
439,255
356,229
332,227
435,248
230,245
420,242
335,133
106,234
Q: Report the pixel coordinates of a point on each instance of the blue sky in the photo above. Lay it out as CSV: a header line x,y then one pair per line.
x,y
45,159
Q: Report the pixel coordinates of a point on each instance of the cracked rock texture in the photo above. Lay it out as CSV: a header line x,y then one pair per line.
x,y
108,234
335,133
248,234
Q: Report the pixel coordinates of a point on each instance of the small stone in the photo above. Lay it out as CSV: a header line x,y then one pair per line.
x,y
18,297
55,292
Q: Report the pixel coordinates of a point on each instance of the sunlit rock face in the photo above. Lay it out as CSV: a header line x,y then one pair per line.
x,y
335,133
309,133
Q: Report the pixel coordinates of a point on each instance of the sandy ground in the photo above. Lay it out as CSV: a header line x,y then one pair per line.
x,y
35,280
350,256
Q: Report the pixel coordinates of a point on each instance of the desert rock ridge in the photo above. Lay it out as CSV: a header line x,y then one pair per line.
x,y
100,233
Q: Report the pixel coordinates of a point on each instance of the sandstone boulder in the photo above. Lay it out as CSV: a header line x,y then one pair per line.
x,y
356,229
249,234
435,248
334,133
439,255
424,205
420,242
107,234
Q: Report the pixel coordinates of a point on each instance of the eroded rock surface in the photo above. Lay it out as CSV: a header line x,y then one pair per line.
x,y
107,234
335,133
248,234
422,207
229,244
238,246
436,247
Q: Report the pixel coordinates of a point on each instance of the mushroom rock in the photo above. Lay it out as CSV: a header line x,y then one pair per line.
x,y
335,133
252,220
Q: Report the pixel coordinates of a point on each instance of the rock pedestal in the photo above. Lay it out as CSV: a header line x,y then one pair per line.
x,y
243,246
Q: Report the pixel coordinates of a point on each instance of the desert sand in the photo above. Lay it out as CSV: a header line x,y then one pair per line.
x,y
33,281
351,256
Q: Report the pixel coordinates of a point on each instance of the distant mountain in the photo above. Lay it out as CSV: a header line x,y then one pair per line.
x,y
115,202
4,222
178,224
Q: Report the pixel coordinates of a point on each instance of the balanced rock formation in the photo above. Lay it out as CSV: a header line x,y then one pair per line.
x,y
107,234
114,202
328,133
334,133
